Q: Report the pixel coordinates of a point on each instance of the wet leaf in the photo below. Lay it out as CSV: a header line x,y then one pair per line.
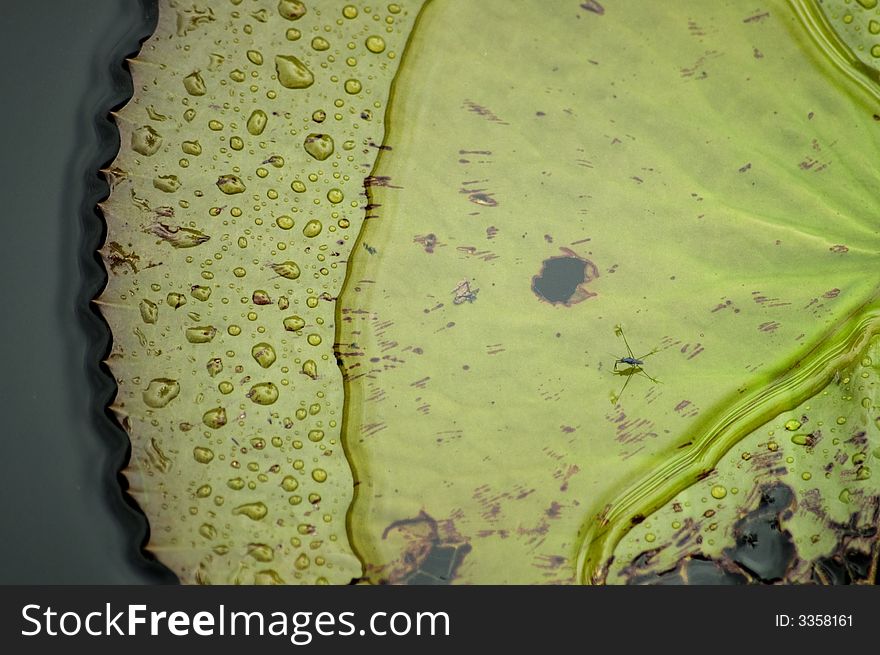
x,y
607,250
218,408
703,179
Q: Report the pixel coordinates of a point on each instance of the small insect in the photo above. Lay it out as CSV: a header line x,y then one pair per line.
x,y
463,293
632,365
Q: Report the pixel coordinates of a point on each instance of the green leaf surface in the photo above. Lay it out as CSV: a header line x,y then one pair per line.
x,y
702,176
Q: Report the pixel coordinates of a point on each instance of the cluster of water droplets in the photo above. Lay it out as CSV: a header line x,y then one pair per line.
x,y
236,197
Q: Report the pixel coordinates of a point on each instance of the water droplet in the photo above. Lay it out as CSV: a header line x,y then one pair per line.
x,y
230,184
291,9
166,183
175,300
200,293
268,577
792,425
314,339
201,334
203,455
352,86
215,418
264,354
320,44
193,148
375,44
263,393
261,552
284,222
178,237
718,492
160,392
149,311
292,73
310,368
288,269
294,323
312,228
319,146
214,366
255,57
146,141
319,475
316,435
254,511
194,84
257,122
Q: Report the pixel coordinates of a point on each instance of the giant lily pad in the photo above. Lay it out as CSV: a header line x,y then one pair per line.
x,y
701,176
552,184
226,247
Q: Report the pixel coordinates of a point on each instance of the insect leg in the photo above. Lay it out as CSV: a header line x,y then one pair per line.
x,y
653,352
654,380
626,343
616,399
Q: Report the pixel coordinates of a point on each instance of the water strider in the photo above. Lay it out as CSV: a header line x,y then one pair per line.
x,y
633,365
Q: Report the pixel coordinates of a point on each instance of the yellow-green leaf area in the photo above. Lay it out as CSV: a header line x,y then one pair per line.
x,y
700,183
